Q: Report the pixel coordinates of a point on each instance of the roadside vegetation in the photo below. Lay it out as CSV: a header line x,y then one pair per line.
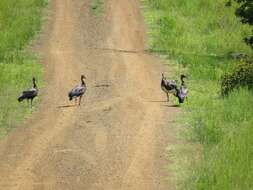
x,y
20,21
204,40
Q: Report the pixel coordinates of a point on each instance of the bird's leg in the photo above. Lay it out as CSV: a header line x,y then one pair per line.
x,y
31,103
168,97
173,99
80,99
75,100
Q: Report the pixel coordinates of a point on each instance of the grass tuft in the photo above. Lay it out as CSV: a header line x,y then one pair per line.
x,y
97,7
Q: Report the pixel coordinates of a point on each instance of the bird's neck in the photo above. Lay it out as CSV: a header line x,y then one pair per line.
x,y
34,85
182,81
163,82
82,82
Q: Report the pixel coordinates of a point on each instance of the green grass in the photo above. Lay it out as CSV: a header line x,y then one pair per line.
x,y
20,21
199,36
224,128
190,32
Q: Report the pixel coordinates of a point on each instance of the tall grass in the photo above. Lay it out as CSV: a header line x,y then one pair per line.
x,y
200,36
196,32
224,128
20,21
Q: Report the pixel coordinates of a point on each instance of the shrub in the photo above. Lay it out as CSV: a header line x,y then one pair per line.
x,y
241,76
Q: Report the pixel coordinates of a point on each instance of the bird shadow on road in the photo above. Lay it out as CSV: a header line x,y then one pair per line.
x,y
172,106
66,106
158,101
102,86
165,105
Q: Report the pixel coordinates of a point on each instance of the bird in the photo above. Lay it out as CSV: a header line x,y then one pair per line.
x,y
168,86
182,91
29,94
78,91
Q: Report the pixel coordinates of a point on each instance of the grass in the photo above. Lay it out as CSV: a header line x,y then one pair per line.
x,y
224,128
20,21
199,36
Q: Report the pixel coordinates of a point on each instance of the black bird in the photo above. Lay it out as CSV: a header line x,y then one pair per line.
x,y
168,86
182,91
30,94
78,91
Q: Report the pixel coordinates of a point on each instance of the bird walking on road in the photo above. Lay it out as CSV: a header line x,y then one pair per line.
x,y
168,86
78,91
29,94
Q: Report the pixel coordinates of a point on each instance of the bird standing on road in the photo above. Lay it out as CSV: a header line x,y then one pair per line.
x,y
30,94
78,91
168,86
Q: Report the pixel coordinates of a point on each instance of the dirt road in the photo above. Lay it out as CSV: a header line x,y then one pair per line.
x,y
117,138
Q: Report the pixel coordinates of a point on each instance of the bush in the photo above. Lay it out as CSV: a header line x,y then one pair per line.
x,y
241,76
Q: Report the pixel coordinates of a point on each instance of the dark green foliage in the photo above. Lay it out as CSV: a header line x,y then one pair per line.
x,y
241,76
245,12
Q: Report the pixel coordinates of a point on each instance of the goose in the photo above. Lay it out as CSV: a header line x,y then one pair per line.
x,y
78,91
182,91
168,86
29,94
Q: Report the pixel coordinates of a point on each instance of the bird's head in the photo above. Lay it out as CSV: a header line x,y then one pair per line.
x,y
163,77
183,76
83,77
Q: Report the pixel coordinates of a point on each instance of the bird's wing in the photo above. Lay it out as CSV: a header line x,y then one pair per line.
x,y
184,90
172,82
78,90
29,93
170,85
